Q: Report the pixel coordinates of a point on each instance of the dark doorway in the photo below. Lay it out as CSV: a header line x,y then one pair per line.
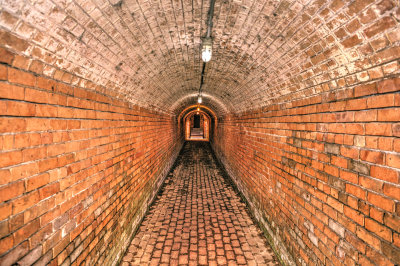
x,y
196,121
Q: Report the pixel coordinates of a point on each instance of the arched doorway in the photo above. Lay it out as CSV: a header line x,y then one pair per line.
x,y
197,126
212,120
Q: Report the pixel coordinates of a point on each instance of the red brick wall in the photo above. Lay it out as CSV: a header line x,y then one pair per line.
x,y
322,174
77,168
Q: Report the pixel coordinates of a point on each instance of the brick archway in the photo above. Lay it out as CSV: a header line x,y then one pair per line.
x,y
211,114
201,134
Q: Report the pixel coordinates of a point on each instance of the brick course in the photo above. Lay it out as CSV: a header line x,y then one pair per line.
x,y
307,92
198,219
315,179
79,169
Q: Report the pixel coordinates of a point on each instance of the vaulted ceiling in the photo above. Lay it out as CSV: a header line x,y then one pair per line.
x,y
148,51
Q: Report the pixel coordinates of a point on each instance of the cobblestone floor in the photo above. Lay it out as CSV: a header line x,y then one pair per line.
x,y
198,219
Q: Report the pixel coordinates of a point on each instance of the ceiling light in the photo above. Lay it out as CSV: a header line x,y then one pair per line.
x,y
206,49
198,108
199,100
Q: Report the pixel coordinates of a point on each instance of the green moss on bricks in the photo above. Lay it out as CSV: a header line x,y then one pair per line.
x,y
140,206
269,239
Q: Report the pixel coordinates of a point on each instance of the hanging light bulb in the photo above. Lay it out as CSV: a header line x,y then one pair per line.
x,y
206,49
199,99
198,109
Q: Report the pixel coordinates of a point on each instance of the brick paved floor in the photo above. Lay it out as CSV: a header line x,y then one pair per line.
x,y
198,219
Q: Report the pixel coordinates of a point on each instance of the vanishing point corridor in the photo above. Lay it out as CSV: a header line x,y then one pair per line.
x,y
198,219
298,101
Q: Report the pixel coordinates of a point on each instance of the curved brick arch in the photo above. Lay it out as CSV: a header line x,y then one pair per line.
x,y
266,52
306,93
211,100
189,114
192,108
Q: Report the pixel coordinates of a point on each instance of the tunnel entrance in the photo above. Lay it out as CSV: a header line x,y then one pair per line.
x,y
197,126
299,100
196,121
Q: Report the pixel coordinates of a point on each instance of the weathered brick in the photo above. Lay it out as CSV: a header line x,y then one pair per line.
x,y
6,243
337,228
13,41
372,156
392,221
354,215
8,91
386,100
21,77
25,202
378,129
6,56
379,26
385,174
392,191
351,41
381,202
389,85
393,160
368,238
11,190
31,257
10,158
26,231
378,229
358,6
82,136
3,72
358,167
392,114
393,253
332,148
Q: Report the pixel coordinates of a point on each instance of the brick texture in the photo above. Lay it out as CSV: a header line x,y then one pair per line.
x,y
307,95
198,219
79,169
307,162
149,52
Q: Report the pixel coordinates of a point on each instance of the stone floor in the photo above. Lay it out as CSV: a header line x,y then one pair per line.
x,y
198,219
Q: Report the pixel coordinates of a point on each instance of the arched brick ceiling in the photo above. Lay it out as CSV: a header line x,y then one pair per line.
x,y
149,51
190,98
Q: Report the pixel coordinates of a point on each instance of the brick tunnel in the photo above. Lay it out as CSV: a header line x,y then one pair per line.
x,y
109,157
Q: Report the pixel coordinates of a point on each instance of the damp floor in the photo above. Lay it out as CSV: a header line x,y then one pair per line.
x,y
198,219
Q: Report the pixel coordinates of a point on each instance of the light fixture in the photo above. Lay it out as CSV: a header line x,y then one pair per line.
x,y
206,49
199,99
198,109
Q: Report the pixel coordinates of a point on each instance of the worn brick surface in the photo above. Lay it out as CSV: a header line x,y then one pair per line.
x,y
333,171
198,219
78,169
148,52
306,93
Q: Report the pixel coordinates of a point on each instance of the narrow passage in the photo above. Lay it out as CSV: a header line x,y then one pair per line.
x,y
198,219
